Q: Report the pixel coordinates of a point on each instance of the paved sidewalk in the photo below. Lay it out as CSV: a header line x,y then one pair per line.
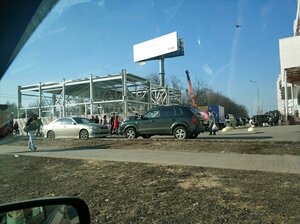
x,y
268,163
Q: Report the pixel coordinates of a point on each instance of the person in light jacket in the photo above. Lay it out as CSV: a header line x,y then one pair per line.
x,y
211,122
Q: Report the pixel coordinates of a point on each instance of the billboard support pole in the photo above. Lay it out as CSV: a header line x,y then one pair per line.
x,y
125,96
162,71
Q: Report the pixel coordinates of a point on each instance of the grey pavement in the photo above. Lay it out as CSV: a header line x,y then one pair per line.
x,y
274,133
268,163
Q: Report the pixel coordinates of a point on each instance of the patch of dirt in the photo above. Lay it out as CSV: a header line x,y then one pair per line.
x,y
207,182
119,192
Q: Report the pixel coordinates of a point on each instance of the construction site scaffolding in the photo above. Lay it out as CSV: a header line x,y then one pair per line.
x,y
122,93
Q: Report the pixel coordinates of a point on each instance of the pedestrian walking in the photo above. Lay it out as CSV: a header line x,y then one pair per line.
x,y
211,123
31,126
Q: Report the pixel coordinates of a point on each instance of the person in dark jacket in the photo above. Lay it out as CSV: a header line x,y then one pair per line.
x,y
39,125
96,119
31,126
112,119
16,128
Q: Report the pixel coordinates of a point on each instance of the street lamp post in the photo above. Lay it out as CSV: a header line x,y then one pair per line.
x,y
258,107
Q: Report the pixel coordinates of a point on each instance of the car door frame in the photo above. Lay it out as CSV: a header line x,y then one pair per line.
x,y
147,125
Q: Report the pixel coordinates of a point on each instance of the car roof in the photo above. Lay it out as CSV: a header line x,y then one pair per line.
x,y
176,105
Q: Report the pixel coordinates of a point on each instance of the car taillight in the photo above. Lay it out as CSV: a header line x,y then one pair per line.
x,y
194,119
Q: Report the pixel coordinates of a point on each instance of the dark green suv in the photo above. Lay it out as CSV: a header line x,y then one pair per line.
x,y
181,121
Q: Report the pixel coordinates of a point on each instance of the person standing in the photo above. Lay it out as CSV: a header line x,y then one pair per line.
x,y
92,119
104,120
31,126
211,123
39,125
112,118
116,125
96,119
16,128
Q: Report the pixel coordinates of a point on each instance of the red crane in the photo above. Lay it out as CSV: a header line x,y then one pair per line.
x,y
194,104
204,114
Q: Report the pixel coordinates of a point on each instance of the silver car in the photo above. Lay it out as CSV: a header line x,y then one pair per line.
x,y
74,127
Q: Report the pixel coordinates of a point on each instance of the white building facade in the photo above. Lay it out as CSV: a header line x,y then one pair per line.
x,y
288,83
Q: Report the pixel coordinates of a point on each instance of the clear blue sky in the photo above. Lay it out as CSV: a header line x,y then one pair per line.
x,y
83,37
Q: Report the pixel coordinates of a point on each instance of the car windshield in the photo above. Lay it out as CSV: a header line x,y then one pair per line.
x,y
137,68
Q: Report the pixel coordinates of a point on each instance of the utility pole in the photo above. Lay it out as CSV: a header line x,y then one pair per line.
x,y
258,107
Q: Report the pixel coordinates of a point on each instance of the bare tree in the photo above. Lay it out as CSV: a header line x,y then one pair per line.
x,y
154,78
206,96
175,83
200,91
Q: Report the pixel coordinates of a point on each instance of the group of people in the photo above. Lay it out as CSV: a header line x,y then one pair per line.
x,y
114,122
103,120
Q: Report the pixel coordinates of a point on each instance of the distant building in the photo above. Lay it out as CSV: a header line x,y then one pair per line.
x,y
288,82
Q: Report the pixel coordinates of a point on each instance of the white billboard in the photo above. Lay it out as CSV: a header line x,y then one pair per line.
x,y
154,48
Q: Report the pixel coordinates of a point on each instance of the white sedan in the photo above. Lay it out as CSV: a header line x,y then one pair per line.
x,y
74,127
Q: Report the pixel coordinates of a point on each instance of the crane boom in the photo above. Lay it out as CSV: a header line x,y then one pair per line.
x,y
191,89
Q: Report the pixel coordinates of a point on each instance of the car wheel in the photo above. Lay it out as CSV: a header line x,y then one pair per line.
x,y
180,132
84,134
131,133
146,136
50,134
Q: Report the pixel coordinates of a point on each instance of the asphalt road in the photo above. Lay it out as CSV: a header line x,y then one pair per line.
x,y
268,163
273,133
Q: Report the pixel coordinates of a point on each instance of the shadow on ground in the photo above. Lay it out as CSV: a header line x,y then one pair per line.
x,y
236,137
66,149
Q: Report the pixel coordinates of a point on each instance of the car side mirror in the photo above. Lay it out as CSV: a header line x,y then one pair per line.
x,y
49,210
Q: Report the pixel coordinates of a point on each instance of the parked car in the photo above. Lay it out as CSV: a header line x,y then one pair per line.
x,y
230,120
181,121
74,127
259,120
240,121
